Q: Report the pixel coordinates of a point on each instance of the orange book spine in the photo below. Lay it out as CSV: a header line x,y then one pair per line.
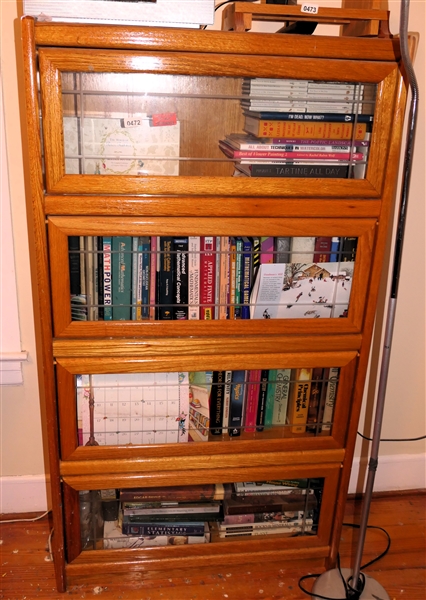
x,y
299,400
320,130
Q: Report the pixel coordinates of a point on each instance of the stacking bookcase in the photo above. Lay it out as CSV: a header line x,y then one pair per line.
x,y
205,296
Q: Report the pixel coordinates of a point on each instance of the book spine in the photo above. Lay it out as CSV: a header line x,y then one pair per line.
x,y
216,402
322,249
224,277
313,117
302,249
107,276
330,399
227,400
165,280
314,399
302,170
151,529
253,387
74,264
348,249
194,277
297,154
282,247
246,277
334,249
238,276
136,281
281,396
190,493
207,277
145,266
217,278
296,129
100,278
180,278
121,277
326,142
232,276
299,400
261,407
259,517
270,397
153,262
266,250
238,393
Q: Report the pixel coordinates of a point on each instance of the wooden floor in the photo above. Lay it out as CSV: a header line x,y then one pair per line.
x,y
26,572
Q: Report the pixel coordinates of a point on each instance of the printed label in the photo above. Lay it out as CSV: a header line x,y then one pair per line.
x,y
311,9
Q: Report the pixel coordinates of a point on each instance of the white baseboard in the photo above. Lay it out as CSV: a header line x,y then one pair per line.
x,y
24,494
30,493
394,472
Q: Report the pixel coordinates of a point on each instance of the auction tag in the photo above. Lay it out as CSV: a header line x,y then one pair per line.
x,y
311,9
131,122
162,119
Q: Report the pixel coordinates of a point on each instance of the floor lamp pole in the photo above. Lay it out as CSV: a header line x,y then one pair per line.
x,y
344,581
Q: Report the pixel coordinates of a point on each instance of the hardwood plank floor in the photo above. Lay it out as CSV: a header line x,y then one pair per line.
x,y
27,574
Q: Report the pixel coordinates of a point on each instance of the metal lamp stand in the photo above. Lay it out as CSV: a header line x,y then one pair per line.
x,y
351,584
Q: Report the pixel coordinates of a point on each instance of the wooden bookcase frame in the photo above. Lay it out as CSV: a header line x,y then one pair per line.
x,y
81,204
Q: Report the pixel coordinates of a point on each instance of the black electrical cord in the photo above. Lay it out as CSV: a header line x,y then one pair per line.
x,y
416,439
350,593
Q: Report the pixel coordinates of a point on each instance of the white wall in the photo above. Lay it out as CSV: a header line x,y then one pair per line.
x,y
22,462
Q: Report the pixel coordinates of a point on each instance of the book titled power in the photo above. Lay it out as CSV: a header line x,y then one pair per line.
x,y
305,129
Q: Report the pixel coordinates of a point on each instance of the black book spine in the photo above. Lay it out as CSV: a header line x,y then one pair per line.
x,y
260,419
216,402
165,280
74,264
291,170
180,278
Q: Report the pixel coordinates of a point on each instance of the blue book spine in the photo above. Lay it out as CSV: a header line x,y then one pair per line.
x,y
145,249
238,394
334,250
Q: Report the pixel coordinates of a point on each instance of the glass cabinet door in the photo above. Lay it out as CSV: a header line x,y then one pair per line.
x,y
172,118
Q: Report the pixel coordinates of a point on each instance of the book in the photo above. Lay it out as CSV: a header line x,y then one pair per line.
x,y
302,249
173,508
115,538
165,279
334,248
121,277
252,399
232,276
294,170
194,278
144,266
282,249
227,400
180,278
246,277
288,530
313,117
322,249
269,407
238,277
136,308
280,397
177,493
265,527
299,129
207,277
300,390
261,406
267,250
74,264
330,398
348,246
155,529
153,270
315,400
99,274
199,405
238,394
265,517
224,266
251,142
254,488
277,154
107,277
216,402
268,503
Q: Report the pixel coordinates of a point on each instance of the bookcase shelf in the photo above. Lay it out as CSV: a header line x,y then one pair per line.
x,y
134,148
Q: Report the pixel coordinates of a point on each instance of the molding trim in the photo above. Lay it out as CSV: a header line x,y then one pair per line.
x,y
10,367
394,472
28,493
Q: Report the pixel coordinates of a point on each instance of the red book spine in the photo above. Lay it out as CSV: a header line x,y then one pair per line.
x,y
253,391
322,249
207,277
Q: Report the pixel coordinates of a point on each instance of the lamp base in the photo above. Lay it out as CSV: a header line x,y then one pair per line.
x,y
330,585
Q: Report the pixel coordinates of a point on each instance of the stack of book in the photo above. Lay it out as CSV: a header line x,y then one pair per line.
x,y
283,507
301,129
169,516
203,277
